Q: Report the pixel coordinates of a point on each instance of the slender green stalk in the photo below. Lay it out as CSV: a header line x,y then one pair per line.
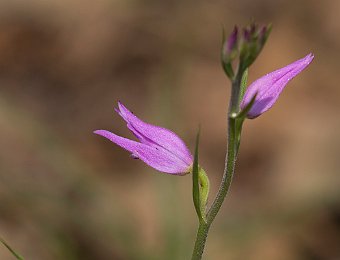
x,y
228,174
203,228
15,254
201,238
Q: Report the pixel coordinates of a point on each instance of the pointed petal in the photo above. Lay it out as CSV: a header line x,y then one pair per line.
x,y
270,86
158,158
155,135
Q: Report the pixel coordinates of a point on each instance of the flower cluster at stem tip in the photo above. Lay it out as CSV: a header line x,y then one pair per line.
x,y
246,46
163,150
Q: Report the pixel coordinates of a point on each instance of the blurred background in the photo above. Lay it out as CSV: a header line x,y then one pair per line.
x,y
68,194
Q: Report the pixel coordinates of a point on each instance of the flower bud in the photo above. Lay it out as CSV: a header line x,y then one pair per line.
x,y
253,39
229,52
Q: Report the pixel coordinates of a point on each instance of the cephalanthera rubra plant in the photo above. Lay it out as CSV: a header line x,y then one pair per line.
x,y
164,151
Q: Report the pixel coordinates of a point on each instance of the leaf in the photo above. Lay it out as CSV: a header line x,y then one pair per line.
x,y
195,180
204,191
243,113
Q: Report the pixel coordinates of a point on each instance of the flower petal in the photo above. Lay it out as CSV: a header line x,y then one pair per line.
x,y
158,158
270,86
155,135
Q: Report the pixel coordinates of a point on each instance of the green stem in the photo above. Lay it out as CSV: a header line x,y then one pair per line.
x,y
203,228
201,238
15,254
228,174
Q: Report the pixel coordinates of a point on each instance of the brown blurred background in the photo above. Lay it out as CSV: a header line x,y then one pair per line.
x,y
68,194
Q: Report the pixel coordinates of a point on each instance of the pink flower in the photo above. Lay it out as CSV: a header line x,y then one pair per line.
x,y
269,87
158,147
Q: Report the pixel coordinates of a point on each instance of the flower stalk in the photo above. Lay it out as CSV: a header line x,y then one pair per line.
x,y
203,229
244,103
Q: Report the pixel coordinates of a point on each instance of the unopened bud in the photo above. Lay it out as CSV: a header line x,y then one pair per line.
x,y
253,39
230,51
